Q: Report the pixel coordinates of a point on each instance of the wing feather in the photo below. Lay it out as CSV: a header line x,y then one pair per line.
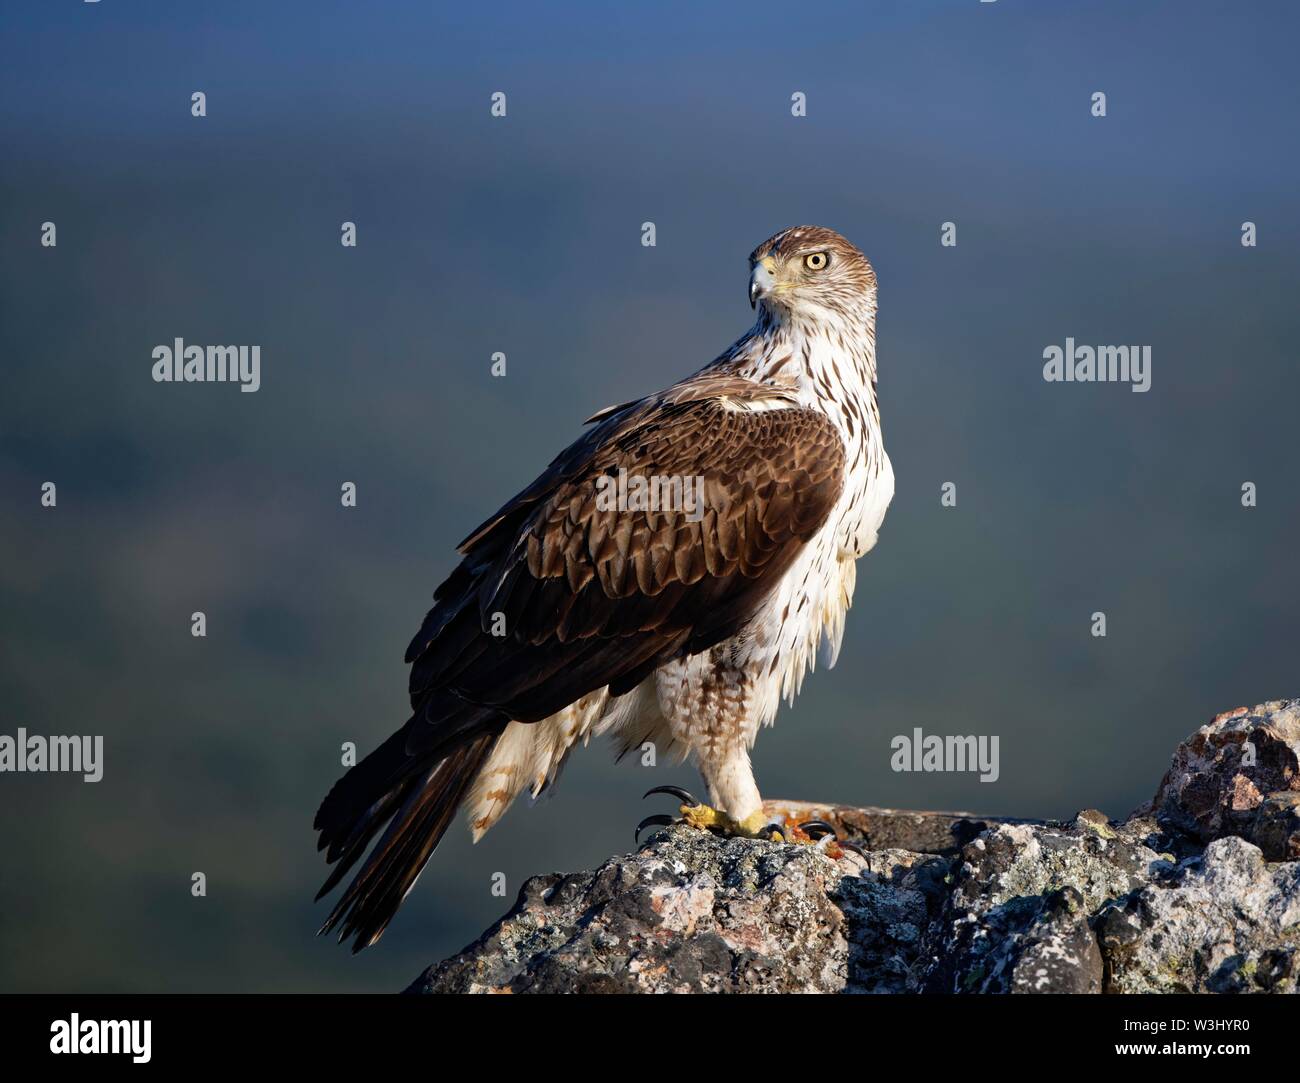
x,y
594,595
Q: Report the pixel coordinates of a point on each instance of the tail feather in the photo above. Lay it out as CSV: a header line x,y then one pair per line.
x,y
420,795
348,806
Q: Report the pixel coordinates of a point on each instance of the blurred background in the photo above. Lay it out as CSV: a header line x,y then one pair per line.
x,y
523,235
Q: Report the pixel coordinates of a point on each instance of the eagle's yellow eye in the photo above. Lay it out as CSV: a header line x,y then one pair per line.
x,y
816,261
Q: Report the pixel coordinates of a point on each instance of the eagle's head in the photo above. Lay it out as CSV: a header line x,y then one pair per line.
x,y
811,272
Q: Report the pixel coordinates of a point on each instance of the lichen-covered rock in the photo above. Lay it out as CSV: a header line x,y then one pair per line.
x,y
1017,918
1222,922
690,912
1223,773
889,905
1197,892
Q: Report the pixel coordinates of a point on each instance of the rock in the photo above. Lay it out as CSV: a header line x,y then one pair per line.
x,y
1017,917
688,912
1223,773
1276,830
890,829
1222,922
1197,892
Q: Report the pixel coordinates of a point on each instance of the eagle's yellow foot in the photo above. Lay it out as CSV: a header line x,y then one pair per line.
x,y
817,833
704,818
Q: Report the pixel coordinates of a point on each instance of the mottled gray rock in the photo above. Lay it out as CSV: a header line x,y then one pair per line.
x,y
1017,917
1223,922
688,912
1197,892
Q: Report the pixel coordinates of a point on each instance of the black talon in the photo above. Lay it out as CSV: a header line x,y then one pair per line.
x,y
682,795
765,832
820,827
658,820
852,846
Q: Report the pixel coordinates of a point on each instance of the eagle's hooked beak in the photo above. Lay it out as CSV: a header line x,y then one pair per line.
x,y
761,280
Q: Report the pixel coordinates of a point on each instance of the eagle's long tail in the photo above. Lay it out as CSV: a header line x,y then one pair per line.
x,y
419,795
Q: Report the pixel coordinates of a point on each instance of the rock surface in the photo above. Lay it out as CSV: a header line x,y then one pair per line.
x,y
1239,775
1197,892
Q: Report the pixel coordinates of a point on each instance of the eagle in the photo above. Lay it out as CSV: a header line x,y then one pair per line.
x,y
576,612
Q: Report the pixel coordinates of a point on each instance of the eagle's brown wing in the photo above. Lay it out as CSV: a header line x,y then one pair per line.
x,y
591,595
